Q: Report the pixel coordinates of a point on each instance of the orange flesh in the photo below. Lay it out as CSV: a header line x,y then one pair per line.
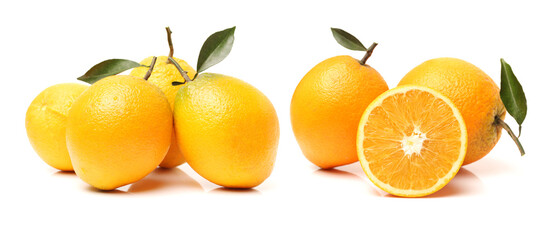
x,y
412,140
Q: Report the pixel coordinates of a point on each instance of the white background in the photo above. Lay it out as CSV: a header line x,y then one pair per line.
x,y
501,196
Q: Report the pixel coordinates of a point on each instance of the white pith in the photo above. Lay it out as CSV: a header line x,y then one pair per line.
x,y
413,144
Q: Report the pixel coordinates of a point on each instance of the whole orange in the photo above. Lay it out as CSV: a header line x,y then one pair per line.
x,y
227,129
164,73
326,108
45,122
118,131
473,92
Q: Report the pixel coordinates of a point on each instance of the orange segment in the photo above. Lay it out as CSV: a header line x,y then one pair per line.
x,y
411,141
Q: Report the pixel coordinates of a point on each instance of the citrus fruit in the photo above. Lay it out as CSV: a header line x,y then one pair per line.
x,y
411,141
227,129
118,131
473,92
45,122
326,108
164,73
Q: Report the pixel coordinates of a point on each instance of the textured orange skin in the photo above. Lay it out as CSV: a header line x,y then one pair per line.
x,y
326,108
45,122
473,92
227,129
118,131
163,75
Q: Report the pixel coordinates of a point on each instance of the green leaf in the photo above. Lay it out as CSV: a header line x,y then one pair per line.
x,y
347,40
512,94
215,49
107,68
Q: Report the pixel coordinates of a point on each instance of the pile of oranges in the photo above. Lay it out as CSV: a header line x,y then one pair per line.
x,y
410,140
119,129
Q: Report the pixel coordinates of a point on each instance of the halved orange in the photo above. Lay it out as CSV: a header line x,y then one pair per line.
x,y
411,141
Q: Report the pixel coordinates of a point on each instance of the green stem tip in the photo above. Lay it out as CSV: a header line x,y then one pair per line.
x,y
182,72
170,45
369,51
504,125
151,67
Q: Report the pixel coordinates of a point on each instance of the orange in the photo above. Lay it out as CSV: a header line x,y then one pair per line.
x,y
118,131
326,108
227,129
164,73
473,92
45,122
411,141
